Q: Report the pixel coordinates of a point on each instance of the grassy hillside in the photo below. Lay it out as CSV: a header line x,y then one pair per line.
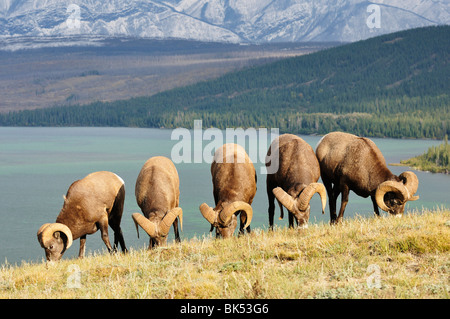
x,y
394,85
362,258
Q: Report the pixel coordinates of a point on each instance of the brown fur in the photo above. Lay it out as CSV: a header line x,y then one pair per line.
x,y
348,162
158,191
93,203
298,167
234,179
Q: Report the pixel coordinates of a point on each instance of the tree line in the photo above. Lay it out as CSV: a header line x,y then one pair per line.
x,y
377,87
436,159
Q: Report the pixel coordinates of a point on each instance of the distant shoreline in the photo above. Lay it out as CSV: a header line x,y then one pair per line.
x,y
435,160
439,170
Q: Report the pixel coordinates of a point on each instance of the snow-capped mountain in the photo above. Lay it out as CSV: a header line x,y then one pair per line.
x,y
220,20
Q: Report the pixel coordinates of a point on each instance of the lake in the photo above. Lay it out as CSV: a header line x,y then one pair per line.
x,y
37,165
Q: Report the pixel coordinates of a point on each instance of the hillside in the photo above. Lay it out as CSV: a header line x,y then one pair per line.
x,y
361,258
73,72
394,85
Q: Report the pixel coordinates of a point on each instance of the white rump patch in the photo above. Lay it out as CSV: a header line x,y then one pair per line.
x,y
120,178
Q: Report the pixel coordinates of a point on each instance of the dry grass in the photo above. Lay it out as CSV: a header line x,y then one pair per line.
x,y
362,258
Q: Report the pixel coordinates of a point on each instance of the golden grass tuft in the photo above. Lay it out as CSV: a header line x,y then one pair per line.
x,y
361,258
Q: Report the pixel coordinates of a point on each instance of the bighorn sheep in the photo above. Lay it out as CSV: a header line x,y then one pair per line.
x,y
295,181
90,204
234,187
355,163
158,194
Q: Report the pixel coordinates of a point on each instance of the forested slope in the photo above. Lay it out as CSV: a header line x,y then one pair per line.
x,y
436,159
395,85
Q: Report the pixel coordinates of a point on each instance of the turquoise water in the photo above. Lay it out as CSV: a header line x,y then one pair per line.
x,y
37,165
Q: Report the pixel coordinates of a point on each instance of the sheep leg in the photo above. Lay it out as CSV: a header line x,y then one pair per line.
x,y
118,239
271,210
82,246
291,220
375,206
103,226
331,198
118,235
344,200
175,224
114,220
152,243
175,229
243,219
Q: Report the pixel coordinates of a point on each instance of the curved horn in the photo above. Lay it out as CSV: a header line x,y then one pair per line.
x,y
209,213
284,198
228,211
39,232
39,235
307,194
149,227
390,186
169,218
411,183
46,231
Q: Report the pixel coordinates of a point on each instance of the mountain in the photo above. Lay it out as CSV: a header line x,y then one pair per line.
x,y
394,85
256,21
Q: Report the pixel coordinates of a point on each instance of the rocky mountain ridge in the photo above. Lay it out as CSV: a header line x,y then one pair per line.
x,y
237,21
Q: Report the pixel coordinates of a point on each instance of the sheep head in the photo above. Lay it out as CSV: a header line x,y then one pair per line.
x,y
300,207
55,238
225,219
391,196
158,231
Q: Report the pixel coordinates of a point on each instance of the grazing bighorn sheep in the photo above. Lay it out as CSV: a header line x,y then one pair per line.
x,y
234,187
295,181
158,194
355,163
91,203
